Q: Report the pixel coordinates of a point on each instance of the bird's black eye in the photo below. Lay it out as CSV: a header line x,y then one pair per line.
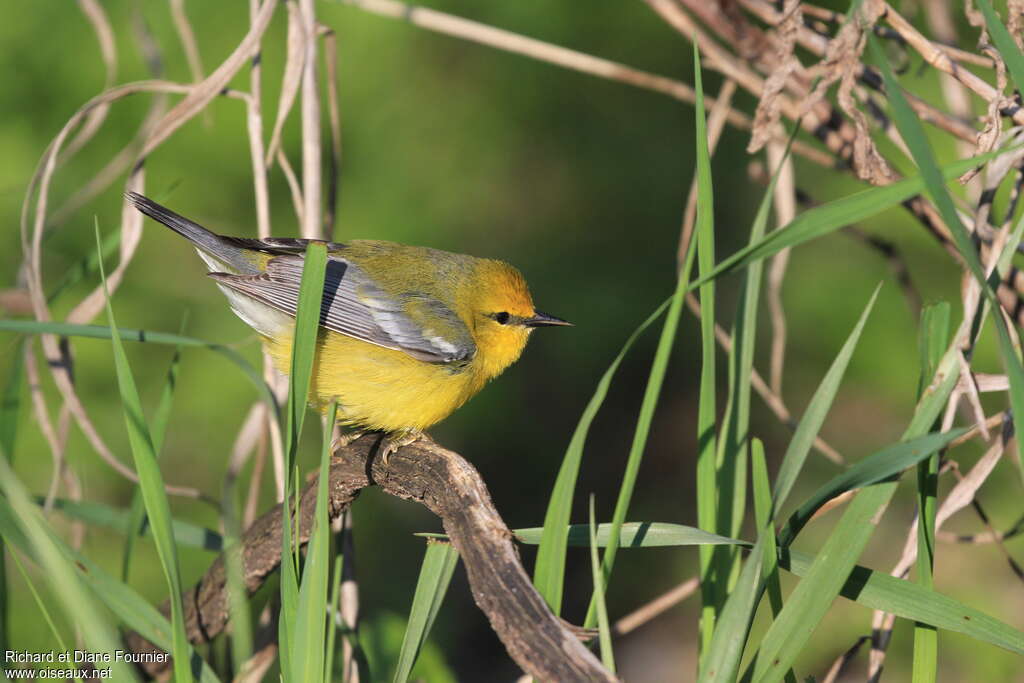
x,y
502,318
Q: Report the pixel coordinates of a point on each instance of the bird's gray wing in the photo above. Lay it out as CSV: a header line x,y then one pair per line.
x,y
354,305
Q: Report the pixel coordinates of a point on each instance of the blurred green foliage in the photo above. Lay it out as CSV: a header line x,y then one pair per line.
x,y
580,183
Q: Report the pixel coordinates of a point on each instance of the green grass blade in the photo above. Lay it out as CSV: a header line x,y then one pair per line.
x,y
732,454
145,336
120,520
933,340
604,629
76,601
763,517
713,566
908,600
10,414
87,266
721,659
155,498
40,604
813,596
307,320
161,418
310,636
827,218
549,569
873,469
333,613
632,535
1004,42
817,411
913,134
439,564
134,612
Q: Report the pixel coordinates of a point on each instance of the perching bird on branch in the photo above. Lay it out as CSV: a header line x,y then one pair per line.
x,y
407,334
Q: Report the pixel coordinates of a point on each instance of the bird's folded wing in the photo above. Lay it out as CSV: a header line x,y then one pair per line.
x,y
354,305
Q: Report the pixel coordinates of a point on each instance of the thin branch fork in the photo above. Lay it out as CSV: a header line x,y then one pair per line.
x,y
447,485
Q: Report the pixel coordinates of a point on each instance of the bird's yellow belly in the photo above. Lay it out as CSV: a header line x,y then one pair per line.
x,y
378,388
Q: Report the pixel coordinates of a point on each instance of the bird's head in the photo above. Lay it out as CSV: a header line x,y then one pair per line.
x,y
503,315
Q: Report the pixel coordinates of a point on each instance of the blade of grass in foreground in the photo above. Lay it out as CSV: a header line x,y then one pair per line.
x,y
134,612
151,484
722,656
725,648
763,517
714,566
1004,42
549,568
933,340
813,596
439,564
120,520
310,636
908,600
307,320
134,335
817,410
78,603
913,134
632,535
604,630
875,468
160,421
10,413
866,587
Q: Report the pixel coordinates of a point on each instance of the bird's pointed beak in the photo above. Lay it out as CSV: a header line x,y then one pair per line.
x,y
544,320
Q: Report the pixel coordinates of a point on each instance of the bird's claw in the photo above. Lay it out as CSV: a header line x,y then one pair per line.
x,y
395,440
345,438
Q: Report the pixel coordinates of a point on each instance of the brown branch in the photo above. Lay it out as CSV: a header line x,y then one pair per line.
x,y
451,488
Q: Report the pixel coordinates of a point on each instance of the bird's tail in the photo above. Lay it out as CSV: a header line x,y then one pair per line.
x,y
220,253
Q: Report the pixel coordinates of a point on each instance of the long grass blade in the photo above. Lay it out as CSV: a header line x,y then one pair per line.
x,y
146,336
439,564
77,602
813,596
134,612
152,486
307,320
1008,50
604,629
310,636
161,418
913,133
10,414
817,410
875,468
631,535
549,569
763,517
120,520
908,600
933,340
721,659
713,566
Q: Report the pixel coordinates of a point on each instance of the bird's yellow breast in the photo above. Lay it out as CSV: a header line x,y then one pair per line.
x,y
382,389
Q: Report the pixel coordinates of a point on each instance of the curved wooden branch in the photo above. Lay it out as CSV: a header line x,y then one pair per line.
x,y
447,485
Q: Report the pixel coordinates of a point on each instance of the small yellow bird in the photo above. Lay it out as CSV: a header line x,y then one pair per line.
x,y
407,334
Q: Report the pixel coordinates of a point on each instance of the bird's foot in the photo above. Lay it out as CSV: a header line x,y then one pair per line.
x,y
345,438
395,440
